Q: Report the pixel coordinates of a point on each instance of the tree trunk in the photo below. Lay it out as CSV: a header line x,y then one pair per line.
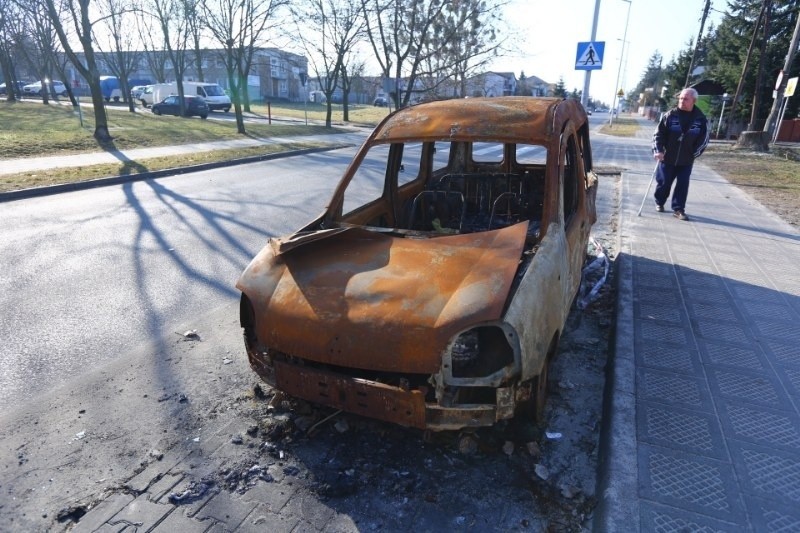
x,y
756,141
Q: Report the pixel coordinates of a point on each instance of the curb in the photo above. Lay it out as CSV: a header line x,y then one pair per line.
x,y
118,180
618,504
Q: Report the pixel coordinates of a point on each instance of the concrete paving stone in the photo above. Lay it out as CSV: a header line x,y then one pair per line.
x,y
760,425
141,513
694,432
312,512
698,484
119,528
664,519
102,512
668,357
261,519
689,392
155,470
768,515
227,509
768,473
272,495
732,332
759,388
726,356
163,486
178,522
652,332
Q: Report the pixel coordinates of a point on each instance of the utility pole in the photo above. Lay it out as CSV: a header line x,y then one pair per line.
x,y
588,75
744,67
760,76
697,43
770,125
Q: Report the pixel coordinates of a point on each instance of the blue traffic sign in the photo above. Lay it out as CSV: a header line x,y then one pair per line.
x,y
590,55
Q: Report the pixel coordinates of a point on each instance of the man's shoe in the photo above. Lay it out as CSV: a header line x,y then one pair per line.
x,y
660,208
680,215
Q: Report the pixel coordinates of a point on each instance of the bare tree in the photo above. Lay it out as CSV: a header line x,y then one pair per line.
x,y
152,40
336,26
76,14
173,18
409,35
352,69
240,26
121,56
11,21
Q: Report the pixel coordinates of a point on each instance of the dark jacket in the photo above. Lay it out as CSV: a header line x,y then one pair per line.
x,y
682,143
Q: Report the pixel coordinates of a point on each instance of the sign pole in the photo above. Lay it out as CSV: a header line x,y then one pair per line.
x,y
588,76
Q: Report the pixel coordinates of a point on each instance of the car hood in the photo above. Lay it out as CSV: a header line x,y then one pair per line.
x,y
365,299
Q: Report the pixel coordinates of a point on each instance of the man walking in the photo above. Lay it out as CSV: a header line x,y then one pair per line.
x,y
679,139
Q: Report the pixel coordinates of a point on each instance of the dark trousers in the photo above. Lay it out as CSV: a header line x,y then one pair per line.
x,y
666,174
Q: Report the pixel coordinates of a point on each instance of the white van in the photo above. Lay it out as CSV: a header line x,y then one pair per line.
x,y
212,93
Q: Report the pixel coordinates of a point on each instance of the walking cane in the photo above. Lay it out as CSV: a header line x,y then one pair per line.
x,y
647,192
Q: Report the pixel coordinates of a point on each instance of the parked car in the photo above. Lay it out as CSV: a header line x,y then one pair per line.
x,y
193,105
380,102
18,84
35,88
432,290
136,92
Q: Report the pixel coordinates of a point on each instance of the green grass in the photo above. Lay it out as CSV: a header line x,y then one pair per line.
x,y
622,127
31,129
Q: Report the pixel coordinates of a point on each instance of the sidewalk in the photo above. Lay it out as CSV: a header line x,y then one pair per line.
x,y
703,409
140,155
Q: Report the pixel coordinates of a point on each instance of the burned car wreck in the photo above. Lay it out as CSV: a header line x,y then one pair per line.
x,y
433,289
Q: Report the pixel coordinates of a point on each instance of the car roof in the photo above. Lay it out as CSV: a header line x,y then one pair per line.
x,y
519,119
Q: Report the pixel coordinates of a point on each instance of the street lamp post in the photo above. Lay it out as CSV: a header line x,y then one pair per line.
x,y
722,113
619,70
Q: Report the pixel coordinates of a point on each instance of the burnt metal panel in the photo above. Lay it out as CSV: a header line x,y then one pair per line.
x,y
359,396
373,301
507,119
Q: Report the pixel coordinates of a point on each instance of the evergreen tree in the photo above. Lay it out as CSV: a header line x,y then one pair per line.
x,y
560,89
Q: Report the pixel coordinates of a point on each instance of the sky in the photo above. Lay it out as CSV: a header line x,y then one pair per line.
x,y
550,30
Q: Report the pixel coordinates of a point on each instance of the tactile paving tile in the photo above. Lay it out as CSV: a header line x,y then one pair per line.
x,y
781,523
650,268
793,376
764,427
672,428
718,312
651,331
662,282
669,388
690,277
783,352
666,357
707,295
773,475
784,330
752,292
730,332
773,311
665,297
721,354
746,386
663,519
694,482
658,311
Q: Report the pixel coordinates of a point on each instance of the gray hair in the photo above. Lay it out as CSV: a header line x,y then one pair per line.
x,y
691,92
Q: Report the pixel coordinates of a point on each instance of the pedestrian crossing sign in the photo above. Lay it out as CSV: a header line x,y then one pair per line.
x,y
590,55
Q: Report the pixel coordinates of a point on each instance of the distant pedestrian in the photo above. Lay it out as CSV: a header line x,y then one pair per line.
x,y
679,139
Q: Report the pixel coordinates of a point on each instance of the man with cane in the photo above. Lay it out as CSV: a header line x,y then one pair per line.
x,y
680,137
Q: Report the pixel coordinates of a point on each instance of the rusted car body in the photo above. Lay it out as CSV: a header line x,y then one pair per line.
x,y
433,289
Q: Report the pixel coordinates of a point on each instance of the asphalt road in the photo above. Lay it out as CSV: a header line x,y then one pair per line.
x,y
87,276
